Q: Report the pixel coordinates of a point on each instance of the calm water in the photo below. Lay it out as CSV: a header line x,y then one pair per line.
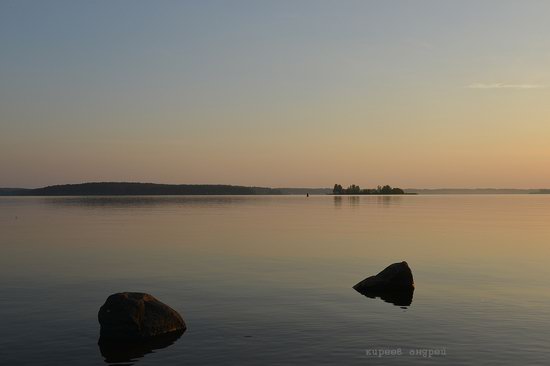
x,y
267,280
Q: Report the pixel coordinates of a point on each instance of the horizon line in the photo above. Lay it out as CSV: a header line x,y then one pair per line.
x,y
261,186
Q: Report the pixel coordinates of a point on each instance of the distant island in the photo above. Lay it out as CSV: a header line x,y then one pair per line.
x,y
138,189
355,190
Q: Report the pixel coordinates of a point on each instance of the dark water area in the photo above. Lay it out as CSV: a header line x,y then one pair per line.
x,y
268,279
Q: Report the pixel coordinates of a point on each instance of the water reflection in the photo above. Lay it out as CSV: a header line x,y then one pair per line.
x,y
384,200
354,200
146,201
357,200
128,352
398,298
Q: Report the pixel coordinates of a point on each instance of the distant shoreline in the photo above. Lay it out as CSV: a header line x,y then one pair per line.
x,y
138,189
154,189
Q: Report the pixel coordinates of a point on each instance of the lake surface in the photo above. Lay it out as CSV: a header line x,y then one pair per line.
x,y
267,279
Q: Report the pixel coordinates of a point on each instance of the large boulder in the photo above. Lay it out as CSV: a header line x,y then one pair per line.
x,y
135,316
394,278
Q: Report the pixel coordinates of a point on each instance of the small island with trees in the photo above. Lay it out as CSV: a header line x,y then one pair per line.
x,y
356,190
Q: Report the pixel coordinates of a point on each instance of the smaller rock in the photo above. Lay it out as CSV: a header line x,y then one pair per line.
x,y
135,315
395,277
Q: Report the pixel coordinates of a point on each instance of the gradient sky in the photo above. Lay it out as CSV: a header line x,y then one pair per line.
x,y
279,93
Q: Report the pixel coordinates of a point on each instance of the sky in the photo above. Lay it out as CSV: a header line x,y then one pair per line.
x,y
420,94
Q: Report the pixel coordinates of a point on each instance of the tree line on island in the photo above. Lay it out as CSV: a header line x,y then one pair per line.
x,y
353,189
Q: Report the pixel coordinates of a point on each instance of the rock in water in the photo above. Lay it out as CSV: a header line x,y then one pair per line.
x,y
395,277
135,315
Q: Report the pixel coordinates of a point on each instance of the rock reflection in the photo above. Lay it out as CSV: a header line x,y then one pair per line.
x,y
398,298
128,352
